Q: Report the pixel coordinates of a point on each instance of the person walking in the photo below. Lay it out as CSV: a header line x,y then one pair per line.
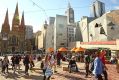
x,y
87,62
46,67
5,64
13,62
98,67
59,57
52,60
26,64
31,61
17,63
102,57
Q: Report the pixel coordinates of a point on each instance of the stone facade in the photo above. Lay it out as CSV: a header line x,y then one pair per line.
x,y
42,37
13,40
107,23
84,28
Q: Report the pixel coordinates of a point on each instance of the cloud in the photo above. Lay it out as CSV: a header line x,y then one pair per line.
x,y
114,1
116,7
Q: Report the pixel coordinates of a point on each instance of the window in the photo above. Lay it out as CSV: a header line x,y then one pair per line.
x,y
102,31
96,25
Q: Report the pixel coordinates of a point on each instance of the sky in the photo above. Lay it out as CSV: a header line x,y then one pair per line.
x,y
37,11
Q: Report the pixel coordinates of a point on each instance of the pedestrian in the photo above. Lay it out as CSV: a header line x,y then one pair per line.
x,y
87,62
13,62
98,67
59,57
72,64
31,61
102,57
52,60
46,67
26,64
5,64
17,63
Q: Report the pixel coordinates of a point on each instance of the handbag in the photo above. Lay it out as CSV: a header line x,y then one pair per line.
x,y
48,72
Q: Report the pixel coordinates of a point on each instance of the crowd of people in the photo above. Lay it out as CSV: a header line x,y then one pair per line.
x,y
94,63
15,63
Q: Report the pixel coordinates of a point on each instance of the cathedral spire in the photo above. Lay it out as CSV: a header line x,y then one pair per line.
x,y
6,21
16,16
22,25
22,20
5,25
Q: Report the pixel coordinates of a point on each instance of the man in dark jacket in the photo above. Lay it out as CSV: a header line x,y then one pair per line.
x,y
59,57
26,63
17,63
87,62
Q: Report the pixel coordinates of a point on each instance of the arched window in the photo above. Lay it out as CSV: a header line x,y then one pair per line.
x,y
14,40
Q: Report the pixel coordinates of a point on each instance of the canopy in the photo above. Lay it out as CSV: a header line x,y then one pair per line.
x,y
80,49
62,49
73,49
50,49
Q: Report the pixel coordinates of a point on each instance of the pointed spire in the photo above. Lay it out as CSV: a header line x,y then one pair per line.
x,y
16,10
5,25
6,21
69,5
22,20
16,16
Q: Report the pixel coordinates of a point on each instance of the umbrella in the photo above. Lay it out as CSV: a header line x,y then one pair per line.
x,y
62,49
73,49
79,49
50,49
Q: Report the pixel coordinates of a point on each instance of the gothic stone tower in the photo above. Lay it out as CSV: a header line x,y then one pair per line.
x,y
13,40
4,33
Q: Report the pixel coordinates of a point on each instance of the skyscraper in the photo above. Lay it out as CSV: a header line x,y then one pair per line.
x,y
70,14
97,9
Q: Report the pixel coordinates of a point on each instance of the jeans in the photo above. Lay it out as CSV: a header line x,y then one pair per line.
x,y
44,78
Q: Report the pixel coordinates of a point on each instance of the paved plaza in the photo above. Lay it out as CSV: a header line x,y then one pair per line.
x,y
60,75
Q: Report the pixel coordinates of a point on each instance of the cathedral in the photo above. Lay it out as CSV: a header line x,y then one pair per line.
x,y
13,40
